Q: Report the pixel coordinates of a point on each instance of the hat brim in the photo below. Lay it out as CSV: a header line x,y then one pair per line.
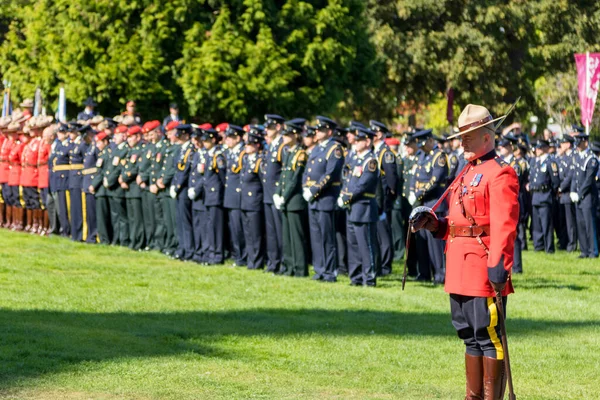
x,y
475,127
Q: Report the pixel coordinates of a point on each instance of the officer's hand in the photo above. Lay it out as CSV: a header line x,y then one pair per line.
x,y
124,185
91,189
527,187
412,198
425,220
498,287
574,197
306,193
159,183
153,189
383,216
105,182
277,201
192,193
120,179
172,192
340,202
143,185
138,180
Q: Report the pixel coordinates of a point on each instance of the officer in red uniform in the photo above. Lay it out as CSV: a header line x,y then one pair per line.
x,y
480,231
48,137
4,143
29,174
14,174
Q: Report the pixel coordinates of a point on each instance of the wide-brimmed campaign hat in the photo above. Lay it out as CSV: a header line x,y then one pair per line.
x,y
473,117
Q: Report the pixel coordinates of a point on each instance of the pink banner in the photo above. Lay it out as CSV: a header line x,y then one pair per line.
x,y
588,73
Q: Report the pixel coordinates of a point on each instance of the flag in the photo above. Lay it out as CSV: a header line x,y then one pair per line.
x,y
588,72
62,106
450,106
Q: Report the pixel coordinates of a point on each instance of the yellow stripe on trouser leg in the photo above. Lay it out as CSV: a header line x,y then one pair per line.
x,y
68,194
21,198
492,328
42,207
84,216
1,196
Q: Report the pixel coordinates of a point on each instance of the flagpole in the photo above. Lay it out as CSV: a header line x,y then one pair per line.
x,y
587,82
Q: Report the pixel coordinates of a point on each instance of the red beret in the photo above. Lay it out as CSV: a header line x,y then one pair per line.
x,y
172,125
205,126
134,130
392,142
246,128
130,103
101,136
222,127
121,129
150,126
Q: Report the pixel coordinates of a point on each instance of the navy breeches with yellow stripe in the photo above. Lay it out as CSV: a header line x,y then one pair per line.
x,y
476,322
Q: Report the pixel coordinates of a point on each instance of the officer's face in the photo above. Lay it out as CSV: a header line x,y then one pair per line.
x,y
477,143
119,138
308,141
101,144
232,141
362,144
208,144
322,134
132,140
411,148
351,138
505,151
251,148
289,140
272,130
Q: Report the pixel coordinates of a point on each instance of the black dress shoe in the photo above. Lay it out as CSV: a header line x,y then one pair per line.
x,y
582,256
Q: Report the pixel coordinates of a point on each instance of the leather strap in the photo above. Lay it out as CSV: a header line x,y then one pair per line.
x,y
470,218
469,231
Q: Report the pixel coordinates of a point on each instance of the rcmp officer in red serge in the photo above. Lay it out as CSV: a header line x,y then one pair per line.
x,y
480,230
321,188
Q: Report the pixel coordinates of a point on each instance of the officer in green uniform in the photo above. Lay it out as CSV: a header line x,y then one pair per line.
x,y
118,203
409,166
163,183
133,192
159,149
105,232
149,130
288,199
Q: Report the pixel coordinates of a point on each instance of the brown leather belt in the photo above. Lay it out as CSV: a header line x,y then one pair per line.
x,y
469,231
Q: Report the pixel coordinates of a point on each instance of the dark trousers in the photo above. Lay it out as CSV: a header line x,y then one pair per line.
x,y
253,233
103,219
341,240
386,244
570,225
90,231
362,244
430,255
398,234
120,222
76,214
184,229
170,218
215,232
294,244
135,219
560,225
149,218
476,322
274,237
586,231
543,233
324,245
63,213
517,256
52,206
201,248
522,233
236,235
159,234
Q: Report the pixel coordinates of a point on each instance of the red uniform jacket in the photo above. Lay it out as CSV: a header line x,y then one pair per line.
x,y
490,190
43,156
4,164
14,158
29,163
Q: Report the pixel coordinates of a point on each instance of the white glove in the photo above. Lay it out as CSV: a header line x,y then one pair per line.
x,y
383,216
574,197
192,193
340,203
172,192
276,201
412,199
307,194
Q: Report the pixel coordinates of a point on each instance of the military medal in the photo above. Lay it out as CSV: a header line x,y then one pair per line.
x,y
476,180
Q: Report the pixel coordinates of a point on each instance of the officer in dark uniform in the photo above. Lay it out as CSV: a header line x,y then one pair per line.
x,y
272,163
233,193
90,229
103,215
389,189
339,135
214,170
179,192
288,199
358,196
118,202
77,149
60,169
133,192
584,194
566,166
428,184
520,153
321,188
88,113
196,195
252,198
169,167
149,139
544,183
159,146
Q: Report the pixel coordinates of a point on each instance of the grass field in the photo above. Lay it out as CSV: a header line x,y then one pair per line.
x,y
95,322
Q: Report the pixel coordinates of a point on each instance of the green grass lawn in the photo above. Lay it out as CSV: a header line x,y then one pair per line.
x,y
95,322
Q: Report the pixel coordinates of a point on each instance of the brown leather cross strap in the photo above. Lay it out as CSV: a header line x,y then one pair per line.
x,y
469,231
470,218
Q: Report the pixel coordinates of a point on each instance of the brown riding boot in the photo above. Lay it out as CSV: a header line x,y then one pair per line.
x,y
474,369
28,219
2,214
8,220
45,223
494,379
35,226
20,218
